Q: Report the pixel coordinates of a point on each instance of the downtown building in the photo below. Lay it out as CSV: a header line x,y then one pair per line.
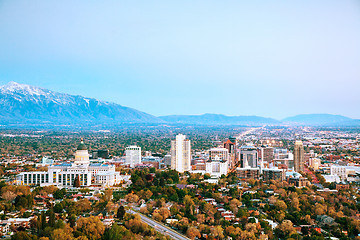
x,y
298,156
249,163
66,174
132,156
181,154
218,162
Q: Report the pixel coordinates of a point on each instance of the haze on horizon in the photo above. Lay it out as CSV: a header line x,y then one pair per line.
x,y
272,59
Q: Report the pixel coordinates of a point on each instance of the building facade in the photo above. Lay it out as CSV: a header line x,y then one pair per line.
x,y
298,156
249,157
80,170
181,153
132,155
274,174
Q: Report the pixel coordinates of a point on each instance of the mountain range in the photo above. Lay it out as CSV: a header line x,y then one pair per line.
x,y
26,105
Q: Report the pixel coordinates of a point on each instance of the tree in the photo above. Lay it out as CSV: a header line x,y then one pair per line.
x,y
281,205
72,220
92,227
132,198
189,205
60,193
320,209
234,205
285,229
8,196
60,234
108,195
200,218
217,231
117,232
83,205
164,212
24,201
52,218
120,213
193,233
157,217
23,236
136,225
77,181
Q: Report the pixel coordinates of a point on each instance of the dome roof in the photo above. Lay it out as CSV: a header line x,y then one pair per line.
x,y
82,145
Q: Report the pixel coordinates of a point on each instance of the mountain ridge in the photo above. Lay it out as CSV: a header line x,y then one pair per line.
x,y
21,102
318,119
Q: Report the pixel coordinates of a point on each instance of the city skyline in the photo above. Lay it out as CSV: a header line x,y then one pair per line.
x,y
270,59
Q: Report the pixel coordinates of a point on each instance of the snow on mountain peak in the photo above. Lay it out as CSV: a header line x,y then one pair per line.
x,y
23,88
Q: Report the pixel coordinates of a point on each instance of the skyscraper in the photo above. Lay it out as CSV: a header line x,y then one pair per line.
x,y
133,155
180,153
298,156
267,155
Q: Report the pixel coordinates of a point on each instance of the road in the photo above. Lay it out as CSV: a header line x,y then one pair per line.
x,y
159,227
241,135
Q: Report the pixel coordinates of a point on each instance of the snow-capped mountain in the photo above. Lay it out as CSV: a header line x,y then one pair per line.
x,y
21,103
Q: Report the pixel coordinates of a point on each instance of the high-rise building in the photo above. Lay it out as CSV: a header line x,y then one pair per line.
x,y
298,156
180,153
267,155
249,156
230,145
132,155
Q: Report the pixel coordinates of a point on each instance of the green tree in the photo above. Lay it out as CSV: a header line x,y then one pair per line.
x,y
120,213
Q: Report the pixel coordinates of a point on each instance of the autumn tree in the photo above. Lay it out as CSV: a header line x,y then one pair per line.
x,y
60,234
193,233
217,232
83,205
285,229
234,205
132,198
136,225
92,227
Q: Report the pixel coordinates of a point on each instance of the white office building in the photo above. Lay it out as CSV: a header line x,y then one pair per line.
x,y
216,167
132,155
181,153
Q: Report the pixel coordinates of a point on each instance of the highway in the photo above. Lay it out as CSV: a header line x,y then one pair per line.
x,y
159,227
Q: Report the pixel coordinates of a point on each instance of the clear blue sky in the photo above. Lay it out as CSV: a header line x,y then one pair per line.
x,y
267,58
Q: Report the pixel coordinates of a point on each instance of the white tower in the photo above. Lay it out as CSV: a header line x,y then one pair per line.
x,y
180,153
133,155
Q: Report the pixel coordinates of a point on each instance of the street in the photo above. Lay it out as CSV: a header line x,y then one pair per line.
x,y
159,227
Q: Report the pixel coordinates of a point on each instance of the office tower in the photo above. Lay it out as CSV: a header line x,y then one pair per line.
x,y
267,155
132,155
298,156
249,156
180,153
230,145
